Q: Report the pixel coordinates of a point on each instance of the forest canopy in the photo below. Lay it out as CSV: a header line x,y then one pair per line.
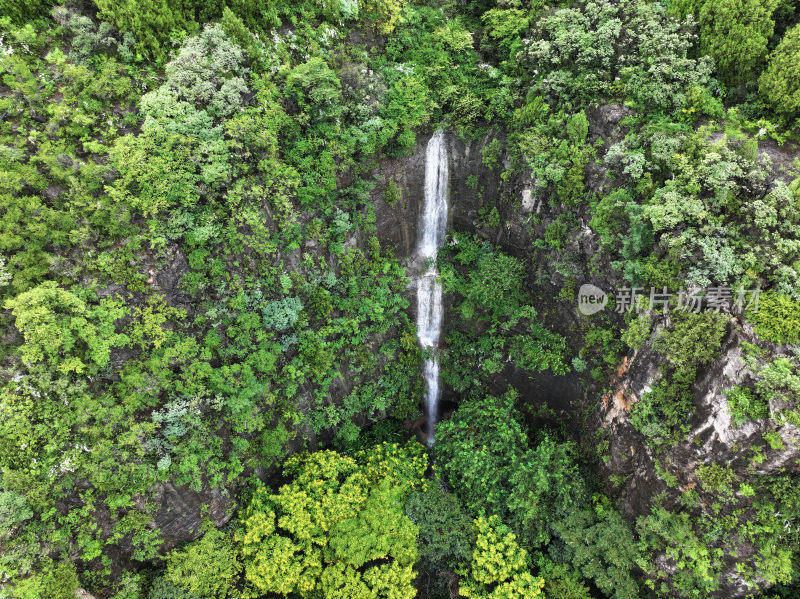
x,y
211,383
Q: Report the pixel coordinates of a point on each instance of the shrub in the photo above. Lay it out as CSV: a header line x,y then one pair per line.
x,y
577,128
777,318
716,478
661,414
13,511
774,440
744,405
638,331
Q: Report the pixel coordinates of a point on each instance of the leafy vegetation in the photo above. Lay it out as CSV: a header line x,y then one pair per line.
x,y
338,528
500,323
200,295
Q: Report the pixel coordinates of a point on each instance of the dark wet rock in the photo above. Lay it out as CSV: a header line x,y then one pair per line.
x,y
167,278
606,121
180,515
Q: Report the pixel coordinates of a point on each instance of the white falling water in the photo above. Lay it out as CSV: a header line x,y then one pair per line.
x,y
429,290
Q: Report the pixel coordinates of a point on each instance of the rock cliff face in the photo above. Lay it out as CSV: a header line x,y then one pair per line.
x,y
713,439
472,185
475,186
181,509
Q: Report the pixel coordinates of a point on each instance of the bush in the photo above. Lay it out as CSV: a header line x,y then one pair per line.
x,y
743,405
13,511
661,414
777,318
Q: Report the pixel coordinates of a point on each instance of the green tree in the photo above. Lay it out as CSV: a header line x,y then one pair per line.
x,y
444,528
777,318
601,546
479,449
182,154
150,21
207,567
446,536
500,568
61,330
314,86
54,581
22,11
735,34
545,488
163,589
692,567
384,15
338,529
779,84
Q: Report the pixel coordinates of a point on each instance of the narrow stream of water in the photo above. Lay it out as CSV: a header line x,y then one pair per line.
x,y
429,290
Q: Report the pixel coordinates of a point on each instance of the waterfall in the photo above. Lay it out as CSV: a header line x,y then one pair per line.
x,y
429,290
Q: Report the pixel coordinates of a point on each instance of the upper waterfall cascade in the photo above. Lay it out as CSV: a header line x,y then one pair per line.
x,y
429,290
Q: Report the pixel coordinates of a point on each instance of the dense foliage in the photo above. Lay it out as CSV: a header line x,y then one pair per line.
x,y
197,297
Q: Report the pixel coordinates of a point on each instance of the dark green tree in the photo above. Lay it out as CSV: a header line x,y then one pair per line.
x,y
735,34
780,83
